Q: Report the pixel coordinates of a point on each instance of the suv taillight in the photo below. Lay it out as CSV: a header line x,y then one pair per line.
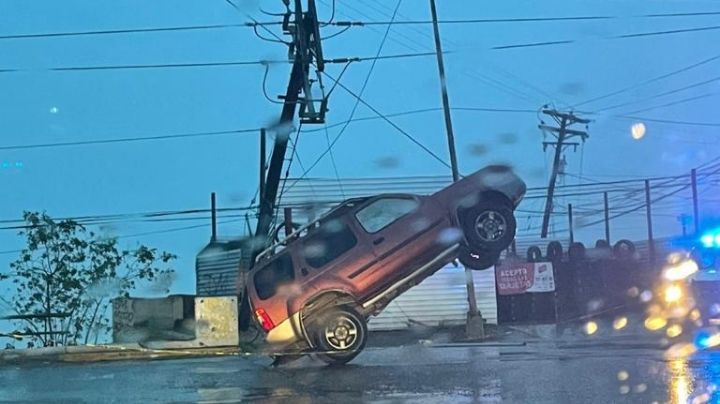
x,y
264,319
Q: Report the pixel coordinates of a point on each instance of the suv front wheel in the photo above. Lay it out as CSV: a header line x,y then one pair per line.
x,y
488,226
339,333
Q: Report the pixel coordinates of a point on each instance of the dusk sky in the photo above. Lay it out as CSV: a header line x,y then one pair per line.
x,y
39,105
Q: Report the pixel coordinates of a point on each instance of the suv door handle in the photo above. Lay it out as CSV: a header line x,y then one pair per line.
x,y
378,240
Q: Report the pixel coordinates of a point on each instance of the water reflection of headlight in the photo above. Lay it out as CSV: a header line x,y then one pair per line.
x,y
680,385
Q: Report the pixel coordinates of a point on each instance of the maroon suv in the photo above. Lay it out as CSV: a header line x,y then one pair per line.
x,y
315,290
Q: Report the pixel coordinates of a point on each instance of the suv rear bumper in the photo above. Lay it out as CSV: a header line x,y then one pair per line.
x,y
286,333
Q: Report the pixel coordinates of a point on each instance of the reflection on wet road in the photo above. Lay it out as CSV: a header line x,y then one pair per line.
x,y
581,371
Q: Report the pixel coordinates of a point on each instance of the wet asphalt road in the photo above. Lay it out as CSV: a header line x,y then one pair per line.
x,y
578,371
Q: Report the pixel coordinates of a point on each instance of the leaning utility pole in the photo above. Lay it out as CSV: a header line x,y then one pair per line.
x,y
474,326
304,50
562,134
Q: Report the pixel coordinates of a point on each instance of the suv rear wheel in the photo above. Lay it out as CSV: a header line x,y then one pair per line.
x,y
339,333
489,226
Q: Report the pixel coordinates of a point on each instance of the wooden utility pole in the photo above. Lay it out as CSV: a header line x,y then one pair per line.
x,y
648,214
263,164
475,325
562,134
696,209
570,223
305,50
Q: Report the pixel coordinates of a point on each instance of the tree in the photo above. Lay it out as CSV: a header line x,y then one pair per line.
x,y
71,273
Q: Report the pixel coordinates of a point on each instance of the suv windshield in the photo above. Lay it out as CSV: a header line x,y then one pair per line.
x,y
382,212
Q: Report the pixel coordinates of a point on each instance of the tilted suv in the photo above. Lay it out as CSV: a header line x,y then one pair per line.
x,y
315,290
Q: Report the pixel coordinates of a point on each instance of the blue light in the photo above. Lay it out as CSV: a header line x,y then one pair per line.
x,y
711,239
702,339
707,240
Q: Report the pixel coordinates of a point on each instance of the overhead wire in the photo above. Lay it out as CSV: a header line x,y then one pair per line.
x,y
393,124
660,94
331,21
650,80
128,139
669,104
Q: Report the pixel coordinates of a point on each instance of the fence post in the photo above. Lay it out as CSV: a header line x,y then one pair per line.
x,y
213,218
570,221
607,217
648,203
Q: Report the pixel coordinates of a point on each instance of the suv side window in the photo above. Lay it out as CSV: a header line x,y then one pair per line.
x,y
275,274
383,212
331,240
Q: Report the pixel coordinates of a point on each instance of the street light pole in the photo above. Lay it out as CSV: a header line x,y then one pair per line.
x,y
475,325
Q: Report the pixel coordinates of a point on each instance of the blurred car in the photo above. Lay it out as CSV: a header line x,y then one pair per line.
x,y
315,290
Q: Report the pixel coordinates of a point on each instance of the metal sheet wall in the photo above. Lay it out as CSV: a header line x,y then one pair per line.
x,y
216,273
440,300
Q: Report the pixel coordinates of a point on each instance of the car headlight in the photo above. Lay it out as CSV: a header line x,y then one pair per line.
x,y
672,294
680,270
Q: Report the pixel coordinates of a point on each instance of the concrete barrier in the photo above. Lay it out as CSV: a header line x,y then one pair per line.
x,y
179,321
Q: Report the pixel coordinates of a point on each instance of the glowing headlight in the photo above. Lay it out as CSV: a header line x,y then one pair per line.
x,y
673,293
680,270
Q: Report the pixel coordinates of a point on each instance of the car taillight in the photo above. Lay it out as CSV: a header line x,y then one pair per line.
x,y
264,319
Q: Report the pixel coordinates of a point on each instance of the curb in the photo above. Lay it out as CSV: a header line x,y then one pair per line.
x,y
104,353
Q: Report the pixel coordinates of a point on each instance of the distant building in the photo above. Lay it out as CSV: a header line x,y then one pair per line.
x,y
217,267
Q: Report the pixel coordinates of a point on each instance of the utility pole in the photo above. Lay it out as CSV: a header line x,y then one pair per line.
x,y
304,50
562,136
475,327
696,209
263,164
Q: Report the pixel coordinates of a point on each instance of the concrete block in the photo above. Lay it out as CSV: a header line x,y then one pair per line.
x,y
216,321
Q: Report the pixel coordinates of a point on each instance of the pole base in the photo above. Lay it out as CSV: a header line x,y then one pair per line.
x,y
475,326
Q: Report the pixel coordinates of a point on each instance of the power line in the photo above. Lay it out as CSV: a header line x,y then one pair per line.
x,y
473,21
668,121
265,63
330,22
128,139
425,110
651,80
151,66
668,32
393,124
669,104
134,30
661,94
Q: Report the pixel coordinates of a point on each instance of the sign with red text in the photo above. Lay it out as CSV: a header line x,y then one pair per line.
x,y
514,278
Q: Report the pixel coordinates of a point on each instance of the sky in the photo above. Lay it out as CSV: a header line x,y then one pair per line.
x,y
38,105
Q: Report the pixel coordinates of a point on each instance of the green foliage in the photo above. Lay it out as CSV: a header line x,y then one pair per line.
x,y
66,269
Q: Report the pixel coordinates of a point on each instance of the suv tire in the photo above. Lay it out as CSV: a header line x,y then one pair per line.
x,y
489,226
477,260
339,333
